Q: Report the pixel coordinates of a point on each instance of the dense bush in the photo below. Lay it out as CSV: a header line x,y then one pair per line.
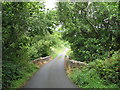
x,y
99,74
15,72
29,32
27,35
92,29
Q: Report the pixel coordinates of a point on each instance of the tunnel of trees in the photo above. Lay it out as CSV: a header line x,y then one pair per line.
x,y
92,31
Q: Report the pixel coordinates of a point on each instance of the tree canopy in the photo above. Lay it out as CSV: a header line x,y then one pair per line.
x,y
30,31
92,29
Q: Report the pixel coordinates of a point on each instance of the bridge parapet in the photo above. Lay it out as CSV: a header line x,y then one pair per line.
x,y
70,64
42,60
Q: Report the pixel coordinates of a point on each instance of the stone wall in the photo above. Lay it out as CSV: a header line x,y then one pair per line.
x,y
42,60
70,64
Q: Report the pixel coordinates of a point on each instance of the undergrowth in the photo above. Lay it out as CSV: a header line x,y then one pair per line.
x,y
99,73
16,75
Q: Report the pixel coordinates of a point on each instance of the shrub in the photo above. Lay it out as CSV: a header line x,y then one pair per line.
x,y
99,73
15,72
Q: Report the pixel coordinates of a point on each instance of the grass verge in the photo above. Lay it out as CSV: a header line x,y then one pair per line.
x,y
27,75
15,75
98,74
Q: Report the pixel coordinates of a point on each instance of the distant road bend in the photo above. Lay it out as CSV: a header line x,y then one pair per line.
x,y
51,75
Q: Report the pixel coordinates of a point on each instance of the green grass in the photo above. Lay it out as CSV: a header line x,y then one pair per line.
x,y
88,79
98,74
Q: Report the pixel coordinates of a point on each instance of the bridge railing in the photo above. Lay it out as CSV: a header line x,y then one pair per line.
x,y
70,64
41,60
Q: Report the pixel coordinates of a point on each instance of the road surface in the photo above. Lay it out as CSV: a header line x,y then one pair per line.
x,y
51,75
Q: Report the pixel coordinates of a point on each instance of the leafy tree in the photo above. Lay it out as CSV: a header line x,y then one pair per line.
x,y
27,34
92,29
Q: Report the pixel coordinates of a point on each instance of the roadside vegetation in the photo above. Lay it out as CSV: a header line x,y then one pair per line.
x,y
28,33
93,32
98,74
90,30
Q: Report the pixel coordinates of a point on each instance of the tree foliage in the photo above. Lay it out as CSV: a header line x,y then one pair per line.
x,y
27,34
30,31
92,29
99,73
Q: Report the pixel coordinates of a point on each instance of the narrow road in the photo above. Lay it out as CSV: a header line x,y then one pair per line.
x,y
51,75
